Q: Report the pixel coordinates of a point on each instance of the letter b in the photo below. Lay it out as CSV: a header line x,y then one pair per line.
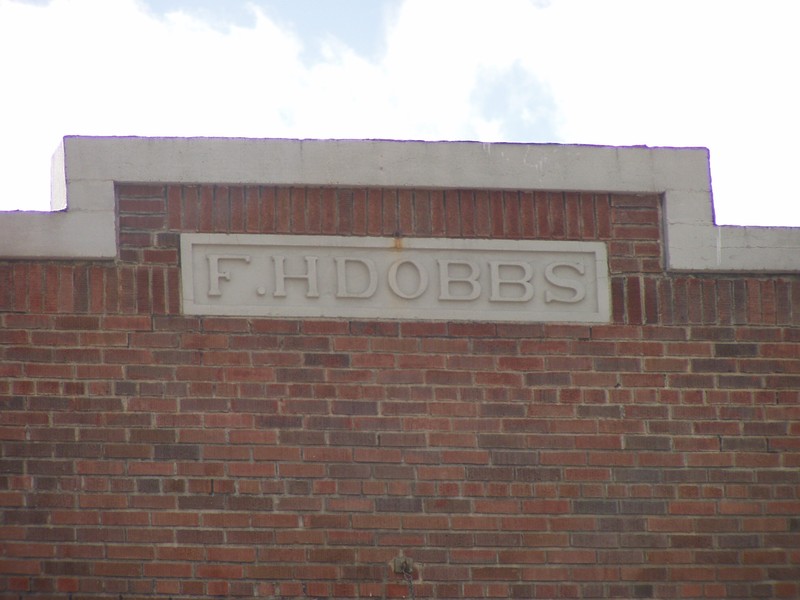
x,y
523,282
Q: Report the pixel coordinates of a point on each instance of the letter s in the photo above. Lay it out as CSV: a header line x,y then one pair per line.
x,y
578,287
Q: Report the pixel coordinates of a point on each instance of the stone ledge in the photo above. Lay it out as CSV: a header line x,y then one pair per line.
x,y
86,169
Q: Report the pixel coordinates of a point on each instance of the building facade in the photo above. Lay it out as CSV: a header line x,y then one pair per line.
x,y
328,369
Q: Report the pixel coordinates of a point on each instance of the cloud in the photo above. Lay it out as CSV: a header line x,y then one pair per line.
x,y
500,92
100,67
112,67
714,73
711,73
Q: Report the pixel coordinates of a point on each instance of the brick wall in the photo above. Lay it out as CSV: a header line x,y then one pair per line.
x,y
149,454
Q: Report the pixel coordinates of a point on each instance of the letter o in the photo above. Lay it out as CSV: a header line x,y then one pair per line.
x,y
422,274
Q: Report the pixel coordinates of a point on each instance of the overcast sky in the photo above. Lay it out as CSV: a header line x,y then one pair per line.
x,y
721,74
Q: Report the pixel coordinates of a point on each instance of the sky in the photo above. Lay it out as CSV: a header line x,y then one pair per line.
x,y
720,74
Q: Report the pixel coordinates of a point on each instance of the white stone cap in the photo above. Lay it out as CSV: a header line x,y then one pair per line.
x,y
85,170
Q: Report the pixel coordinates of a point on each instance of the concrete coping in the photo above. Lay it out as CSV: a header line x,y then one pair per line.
x,y
85,170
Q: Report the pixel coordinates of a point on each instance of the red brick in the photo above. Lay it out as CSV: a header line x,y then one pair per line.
x,y
670,429
251,210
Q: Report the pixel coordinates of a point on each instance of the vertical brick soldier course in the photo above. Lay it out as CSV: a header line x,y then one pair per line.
x,y
151,454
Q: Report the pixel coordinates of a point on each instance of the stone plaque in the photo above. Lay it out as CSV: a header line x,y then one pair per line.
x,y
439,279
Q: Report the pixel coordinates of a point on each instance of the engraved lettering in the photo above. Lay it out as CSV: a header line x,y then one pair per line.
x,y
578,287
446,278
416,279
214,274
310,276
342,289
422,279
498,282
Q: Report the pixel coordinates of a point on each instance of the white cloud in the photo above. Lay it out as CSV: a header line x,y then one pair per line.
x,y
715,73
100,67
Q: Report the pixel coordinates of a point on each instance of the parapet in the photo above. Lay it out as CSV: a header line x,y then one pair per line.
x,y
86,169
